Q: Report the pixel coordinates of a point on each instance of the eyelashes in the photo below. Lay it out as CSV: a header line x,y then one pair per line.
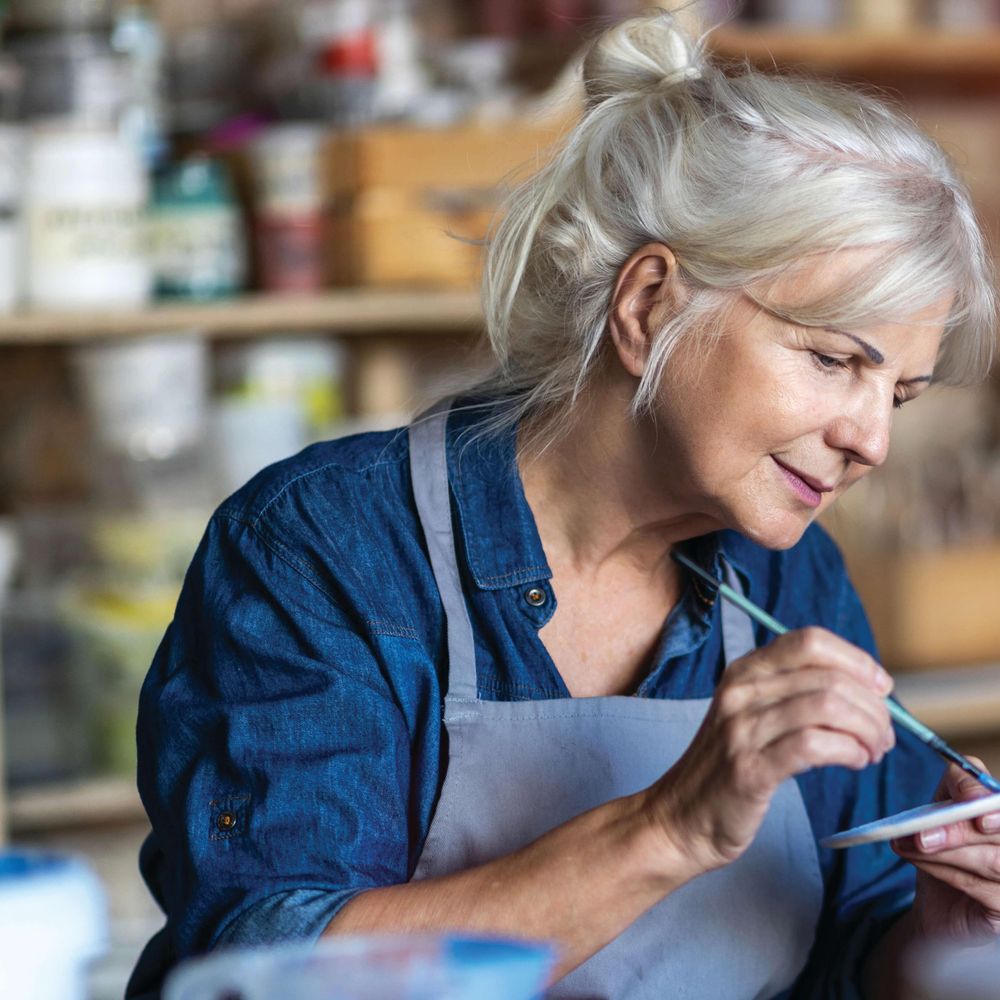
x,y
830,366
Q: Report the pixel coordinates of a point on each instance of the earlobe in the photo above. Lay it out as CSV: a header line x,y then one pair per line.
x,y
645,292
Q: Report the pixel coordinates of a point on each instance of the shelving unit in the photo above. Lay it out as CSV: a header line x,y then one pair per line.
x,y
351,312
957,702
933,59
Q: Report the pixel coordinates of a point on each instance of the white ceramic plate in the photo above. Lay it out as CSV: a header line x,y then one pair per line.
x,y
913,821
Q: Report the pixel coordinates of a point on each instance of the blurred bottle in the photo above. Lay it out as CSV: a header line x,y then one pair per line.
x,y
348,63
136,37
196,236
276,397
146,399
289,205
85,195
401,82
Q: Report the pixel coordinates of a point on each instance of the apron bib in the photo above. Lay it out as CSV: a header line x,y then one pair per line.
x,y
518,769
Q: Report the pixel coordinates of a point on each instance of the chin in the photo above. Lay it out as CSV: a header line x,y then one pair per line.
x,y
775,531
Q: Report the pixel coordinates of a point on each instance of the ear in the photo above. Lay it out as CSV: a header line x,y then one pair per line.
x,y
647,289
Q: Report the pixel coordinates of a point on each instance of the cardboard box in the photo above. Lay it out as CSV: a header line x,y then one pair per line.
x,y
410,206
932,609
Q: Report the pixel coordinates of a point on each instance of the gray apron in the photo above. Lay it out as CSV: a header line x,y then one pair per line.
x,y
518,769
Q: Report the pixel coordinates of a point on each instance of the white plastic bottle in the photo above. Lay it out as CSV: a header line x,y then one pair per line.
x,y
84,214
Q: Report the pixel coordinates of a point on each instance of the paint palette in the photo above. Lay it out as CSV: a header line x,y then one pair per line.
x,y
913,821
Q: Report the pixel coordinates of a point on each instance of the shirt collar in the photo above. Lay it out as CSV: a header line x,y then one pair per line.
x,y
502,545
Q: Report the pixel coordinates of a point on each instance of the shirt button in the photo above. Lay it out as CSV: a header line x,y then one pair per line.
x,y
226,822
535,597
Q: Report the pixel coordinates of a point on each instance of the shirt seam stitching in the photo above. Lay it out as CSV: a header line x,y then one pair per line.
x,y
311,472
280,549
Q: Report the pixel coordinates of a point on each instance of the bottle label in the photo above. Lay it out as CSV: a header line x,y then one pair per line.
x,y
76,233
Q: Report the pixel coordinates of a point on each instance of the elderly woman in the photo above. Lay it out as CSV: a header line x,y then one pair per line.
x,y
451,678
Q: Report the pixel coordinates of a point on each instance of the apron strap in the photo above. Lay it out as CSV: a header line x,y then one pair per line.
x,y
737,626
429,473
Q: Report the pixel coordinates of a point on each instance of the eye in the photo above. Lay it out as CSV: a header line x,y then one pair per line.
x,y
897,403
828,363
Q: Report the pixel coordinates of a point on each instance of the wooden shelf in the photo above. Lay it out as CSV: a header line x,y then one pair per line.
x,y
919,53
73,805
351,312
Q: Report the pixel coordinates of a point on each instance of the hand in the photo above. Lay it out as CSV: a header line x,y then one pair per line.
x,y
958,882
809,699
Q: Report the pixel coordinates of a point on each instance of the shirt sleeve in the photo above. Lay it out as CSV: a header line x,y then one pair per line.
x,y
274,761
866,888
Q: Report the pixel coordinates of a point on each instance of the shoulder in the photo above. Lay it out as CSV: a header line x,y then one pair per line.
x,y
330,473
341,516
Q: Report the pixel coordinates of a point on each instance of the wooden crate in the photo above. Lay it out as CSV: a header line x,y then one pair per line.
x,y
931,609
400,196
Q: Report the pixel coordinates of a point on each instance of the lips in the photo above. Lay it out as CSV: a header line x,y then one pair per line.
x,y
807,488
817,485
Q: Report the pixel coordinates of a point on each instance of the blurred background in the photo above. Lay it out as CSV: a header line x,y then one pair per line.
x,y
232,227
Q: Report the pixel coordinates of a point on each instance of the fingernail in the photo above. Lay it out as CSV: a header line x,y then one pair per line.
x,y
883,680
991,822
929,839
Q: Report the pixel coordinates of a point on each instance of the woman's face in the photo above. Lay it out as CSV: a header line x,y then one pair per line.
x,y
774,420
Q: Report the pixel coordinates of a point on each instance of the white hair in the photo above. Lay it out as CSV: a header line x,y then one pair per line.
x,y
743,175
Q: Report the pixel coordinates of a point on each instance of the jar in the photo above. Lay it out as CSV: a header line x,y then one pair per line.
x,y
85,196
53,922
196,233
287,162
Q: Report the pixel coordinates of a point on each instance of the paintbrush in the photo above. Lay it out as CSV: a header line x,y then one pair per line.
x,y
896,710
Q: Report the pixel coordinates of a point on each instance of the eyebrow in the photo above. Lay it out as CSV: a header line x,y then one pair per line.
x,y
874,355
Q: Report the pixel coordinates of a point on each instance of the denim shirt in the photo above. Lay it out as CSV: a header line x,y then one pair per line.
x,y
291,745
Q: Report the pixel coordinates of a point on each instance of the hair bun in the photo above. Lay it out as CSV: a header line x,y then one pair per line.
x,y
640,55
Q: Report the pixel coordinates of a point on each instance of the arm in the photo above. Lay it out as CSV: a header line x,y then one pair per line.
x,y
266,701
581,885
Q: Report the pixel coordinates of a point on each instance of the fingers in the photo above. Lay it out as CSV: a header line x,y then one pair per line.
x,y
973,873
805,749
767,706
817,647
961,787
811,679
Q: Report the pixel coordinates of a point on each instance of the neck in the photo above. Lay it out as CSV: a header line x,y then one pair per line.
x,y
601,493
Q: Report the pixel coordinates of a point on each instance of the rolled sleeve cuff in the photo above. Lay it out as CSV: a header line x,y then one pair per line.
x,y
295,915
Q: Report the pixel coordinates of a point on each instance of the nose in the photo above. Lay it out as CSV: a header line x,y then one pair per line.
x,y
862,432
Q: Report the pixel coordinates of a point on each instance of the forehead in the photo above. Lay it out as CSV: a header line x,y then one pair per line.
x,y
831,275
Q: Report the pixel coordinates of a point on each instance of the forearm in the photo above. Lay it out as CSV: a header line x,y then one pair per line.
x,y
580,885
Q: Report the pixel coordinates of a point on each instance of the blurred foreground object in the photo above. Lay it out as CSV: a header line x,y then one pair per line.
x,y
949,971
52,925
422,967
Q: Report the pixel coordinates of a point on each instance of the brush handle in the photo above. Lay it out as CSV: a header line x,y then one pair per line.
x,y
899,714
